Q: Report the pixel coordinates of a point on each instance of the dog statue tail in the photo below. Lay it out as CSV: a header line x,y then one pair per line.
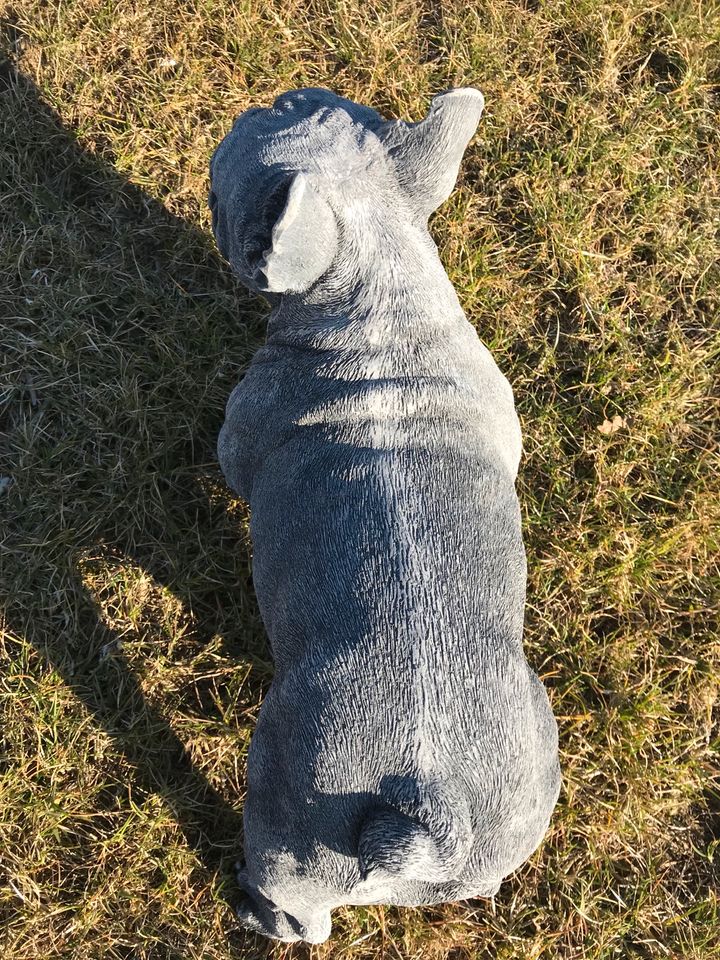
x,y
426,838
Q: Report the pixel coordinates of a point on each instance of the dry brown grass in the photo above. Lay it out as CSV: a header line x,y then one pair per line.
x,y
583,241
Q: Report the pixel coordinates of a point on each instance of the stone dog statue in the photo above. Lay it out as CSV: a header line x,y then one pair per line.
x,y
405,753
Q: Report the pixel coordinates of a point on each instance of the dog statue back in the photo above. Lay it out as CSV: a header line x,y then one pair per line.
x,y
405,753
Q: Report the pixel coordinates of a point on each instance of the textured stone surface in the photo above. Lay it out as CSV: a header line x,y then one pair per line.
x,y
405,752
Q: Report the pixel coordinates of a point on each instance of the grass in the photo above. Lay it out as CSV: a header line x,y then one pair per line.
x,y
584,243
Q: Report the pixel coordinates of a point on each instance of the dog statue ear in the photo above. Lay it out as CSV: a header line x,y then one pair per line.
x,y
427,154
303,242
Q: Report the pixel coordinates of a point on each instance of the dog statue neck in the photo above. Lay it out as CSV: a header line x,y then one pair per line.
x,y
386,286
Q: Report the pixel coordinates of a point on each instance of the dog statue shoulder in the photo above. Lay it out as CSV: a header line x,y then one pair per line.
x,y
405,753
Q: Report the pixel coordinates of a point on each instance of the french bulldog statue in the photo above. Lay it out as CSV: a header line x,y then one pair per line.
x,y
405,753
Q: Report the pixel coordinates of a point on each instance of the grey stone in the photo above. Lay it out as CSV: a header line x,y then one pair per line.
x,y
405,753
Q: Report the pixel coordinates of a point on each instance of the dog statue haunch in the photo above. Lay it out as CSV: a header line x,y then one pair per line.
x,y
405,753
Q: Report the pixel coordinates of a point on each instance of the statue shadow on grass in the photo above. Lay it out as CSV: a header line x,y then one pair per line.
x,y
54,185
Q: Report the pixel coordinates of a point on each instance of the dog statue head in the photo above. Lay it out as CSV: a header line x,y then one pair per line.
x,y
313,180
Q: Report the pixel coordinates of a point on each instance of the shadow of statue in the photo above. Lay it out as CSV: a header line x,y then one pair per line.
x,y
145,488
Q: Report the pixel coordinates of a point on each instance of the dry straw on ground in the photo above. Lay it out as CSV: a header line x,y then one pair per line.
x,y
583,241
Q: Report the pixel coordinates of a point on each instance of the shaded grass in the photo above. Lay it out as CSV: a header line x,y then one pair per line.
x,y
583,241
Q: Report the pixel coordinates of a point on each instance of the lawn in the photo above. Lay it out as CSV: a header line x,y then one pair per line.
x,y
584,242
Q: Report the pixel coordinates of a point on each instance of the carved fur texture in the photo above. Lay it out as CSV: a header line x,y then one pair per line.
x,y
405,753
